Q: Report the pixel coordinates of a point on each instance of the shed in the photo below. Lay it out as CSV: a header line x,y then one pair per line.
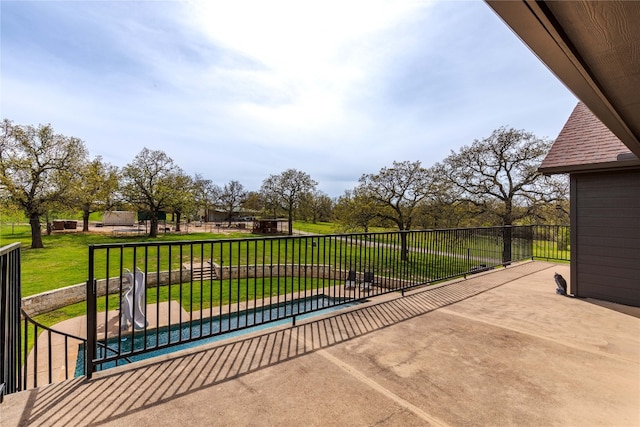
x,y
605,208
124,218
270,226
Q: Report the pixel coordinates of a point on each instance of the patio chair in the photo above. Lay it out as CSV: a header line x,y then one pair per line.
x,y
368,281
351,282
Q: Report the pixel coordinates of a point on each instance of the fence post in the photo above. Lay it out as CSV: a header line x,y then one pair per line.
x,y
506,245
4,317
90,348
10,306
533,234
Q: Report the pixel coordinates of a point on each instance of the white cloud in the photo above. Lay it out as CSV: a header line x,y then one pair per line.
x,y
296,37
241,90
312,53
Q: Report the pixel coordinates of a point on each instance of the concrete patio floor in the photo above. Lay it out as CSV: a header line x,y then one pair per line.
x,y
499,348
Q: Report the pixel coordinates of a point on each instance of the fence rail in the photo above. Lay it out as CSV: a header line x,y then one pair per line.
x,y
154,297
164,294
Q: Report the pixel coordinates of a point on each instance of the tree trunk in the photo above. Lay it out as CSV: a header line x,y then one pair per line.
x,y
404,252
290,222
178,215
153,231
36,233
85,221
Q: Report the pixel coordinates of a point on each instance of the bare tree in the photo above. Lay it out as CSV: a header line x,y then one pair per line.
x,y
499,175
442,208
397,192
287,190
37,169
150,183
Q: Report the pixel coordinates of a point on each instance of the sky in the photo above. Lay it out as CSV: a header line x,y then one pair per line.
x,y
243,89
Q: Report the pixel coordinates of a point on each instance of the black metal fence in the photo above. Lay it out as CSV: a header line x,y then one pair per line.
x,y
147,297
10,300
31,353
551,242
48,355
151,298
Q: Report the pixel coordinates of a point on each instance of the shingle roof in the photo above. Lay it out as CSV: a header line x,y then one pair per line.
x,y
584,143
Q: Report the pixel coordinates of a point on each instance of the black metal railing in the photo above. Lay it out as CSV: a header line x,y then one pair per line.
x,y
48,355
10,301
147,297
552,242
32,354
200,290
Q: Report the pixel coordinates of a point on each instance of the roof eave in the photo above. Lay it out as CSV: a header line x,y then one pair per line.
x,y
594,167
532,22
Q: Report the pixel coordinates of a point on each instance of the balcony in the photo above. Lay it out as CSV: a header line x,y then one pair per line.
x,y
494,348
490,346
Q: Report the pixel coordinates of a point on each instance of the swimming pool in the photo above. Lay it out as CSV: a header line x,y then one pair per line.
x,y
212,329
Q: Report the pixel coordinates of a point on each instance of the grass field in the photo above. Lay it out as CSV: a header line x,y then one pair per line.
x,y
330,228
64,259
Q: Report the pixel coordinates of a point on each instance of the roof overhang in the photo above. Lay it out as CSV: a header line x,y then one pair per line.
x,y
593,48
599,167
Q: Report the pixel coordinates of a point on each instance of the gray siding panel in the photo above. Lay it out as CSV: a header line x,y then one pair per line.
x,y
596,215
597,244
621,296
612,261
607,227
617,275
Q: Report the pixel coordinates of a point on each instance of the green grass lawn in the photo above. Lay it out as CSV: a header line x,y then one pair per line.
x,y
316,228
330,228
550,250
64,259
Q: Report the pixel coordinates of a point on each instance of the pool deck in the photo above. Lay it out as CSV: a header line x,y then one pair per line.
x,y
499,348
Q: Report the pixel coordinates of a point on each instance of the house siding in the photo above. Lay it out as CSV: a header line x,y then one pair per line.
x,y
606,250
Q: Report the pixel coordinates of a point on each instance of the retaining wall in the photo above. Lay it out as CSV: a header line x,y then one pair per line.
x,y
61,297
58,298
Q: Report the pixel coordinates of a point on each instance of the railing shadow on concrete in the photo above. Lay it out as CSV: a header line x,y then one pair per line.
x,y
152,383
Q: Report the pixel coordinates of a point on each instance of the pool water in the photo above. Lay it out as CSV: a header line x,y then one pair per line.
x,y
215,328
